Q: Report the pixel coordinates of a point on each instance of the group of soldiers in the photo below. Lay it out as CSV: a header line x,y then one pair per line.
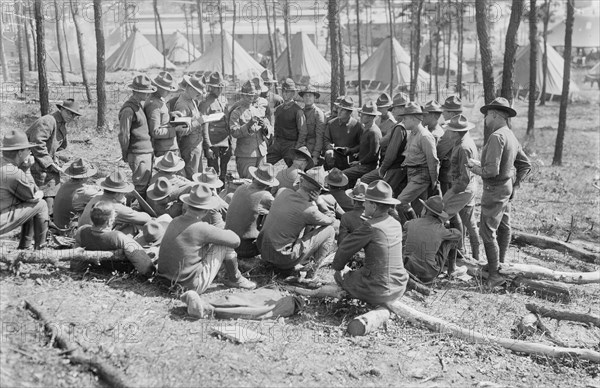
x,y
354,185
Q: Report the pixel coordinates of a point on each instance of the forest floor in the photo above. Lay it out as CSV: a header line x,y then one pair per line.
x,y
139,327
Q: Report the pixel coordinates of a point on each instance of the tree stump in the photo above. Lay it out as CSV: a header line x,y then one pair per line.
x,y
368,322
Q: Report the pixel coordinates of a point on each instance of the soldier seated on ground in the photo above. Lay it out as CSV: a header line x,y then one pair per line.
x,y
353,219
295,229
192,251
218,215
100,237
429,244
288,177
383,278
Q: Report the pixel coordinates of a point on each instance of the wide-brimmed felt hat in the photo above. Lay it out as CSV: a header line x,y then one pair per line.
x,y
288,84
459,123
14,140
169,162
315,175
499,103
208,177
71,105
216,80
153,231
453,104
358,192
141,83
304,153
412,108
435,205
159,189
165,80
264,173
267,77
260,85
79,168
200,197
400,99
249,89
194,81
432,107
309,89
336,178
381,192
384,100
369,109
116,182
346,102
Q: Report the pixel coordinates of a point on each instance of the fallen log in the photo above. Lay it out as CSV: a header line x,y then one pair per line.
x,y
538,272
544,242
417,286
440,326
329,290
563,315
54,256
109,374
546,289
368,322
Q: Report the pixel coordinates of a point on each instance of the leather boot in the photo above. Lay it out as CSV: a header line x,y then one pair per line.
x,y
494,277
26,238
233,276
503,238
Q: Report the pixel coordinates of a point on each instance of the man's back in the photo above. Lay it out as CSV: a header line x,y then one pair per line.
x,y
244,209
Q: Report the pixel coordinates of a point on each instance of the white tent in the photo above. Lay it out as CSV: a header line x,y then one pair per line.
x,y
136,53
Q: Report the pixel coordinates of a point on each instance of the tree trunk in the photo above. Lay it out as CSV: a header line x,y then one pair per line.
x,y
233,44
475,76
448,61
511,49
437,54
341,59
200,24
349,34
392,56
77,21
41,58
193,38
487,71
158,47
220,5
418,7
286,25
564,99
271,44
533,57
162,36
332,15
277,48
25,24
187,33
459,71
358,52
31,18
2,54
66,40
59,43
100,66
22,74
546,20
430,57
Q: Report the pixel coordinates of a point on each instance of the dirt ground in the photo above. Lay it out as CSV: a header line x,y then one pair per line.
x,y
139,327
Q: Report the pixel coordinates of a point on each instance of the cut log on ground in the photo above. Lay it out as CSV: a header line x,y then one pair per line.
x,y
544,242
440,326
563,315
417,286
539,272
110,375
546,289
54,256
368,322
327,291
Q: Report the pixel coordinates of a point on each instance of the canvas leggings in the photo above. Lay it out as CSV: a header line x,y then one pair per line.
x,y
495,222
141,169
318,243
213,256
32,217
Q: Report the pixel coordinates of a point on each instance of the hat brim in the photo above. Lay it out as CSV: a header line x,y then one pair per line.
x,y
252,171
376,113
150,194
388,201
90,173
433,111
345,107
315,93
469,126
15,148
196,178
284,89
387,105
451,109
412,114
134,89
178,167
443,214
343,183
511,112
212,203
311,180
76,113
296,152
187,81
351,196
129,187
173,88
